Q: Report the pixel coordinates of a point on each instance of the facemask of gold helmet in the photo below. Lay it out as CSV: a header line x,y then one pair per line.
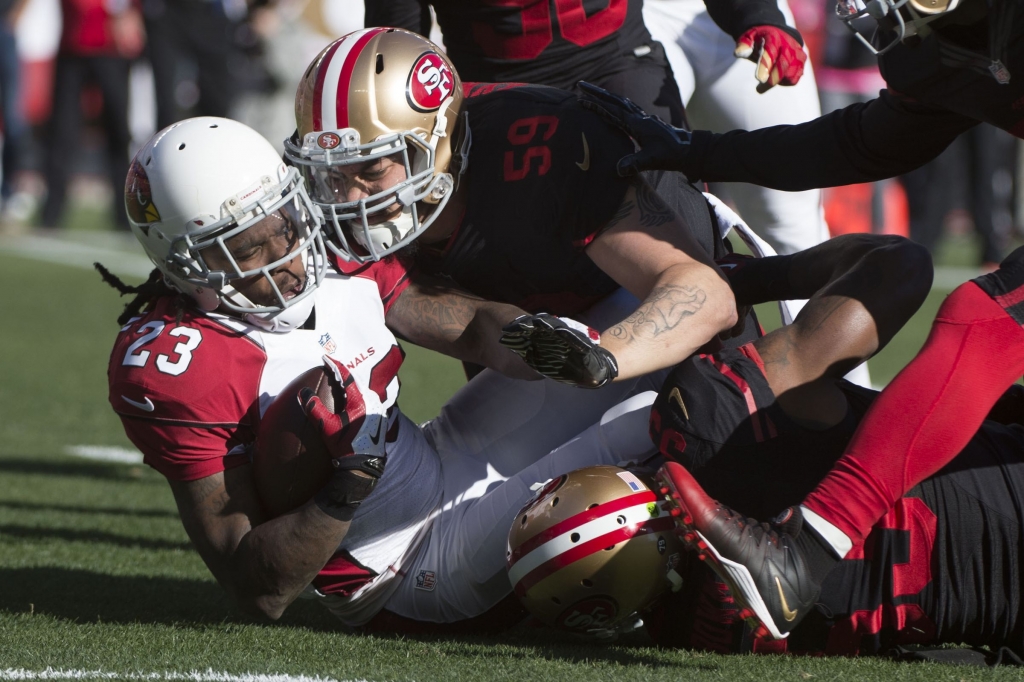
x,y
895,19
593,549
378,93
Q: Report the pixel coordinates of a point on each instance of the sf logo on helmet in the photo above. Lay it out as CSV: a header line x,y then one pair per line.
x,y
595,612
430,82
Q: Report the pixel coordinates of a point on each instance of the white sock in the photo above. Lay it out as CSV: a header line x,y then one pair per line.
x,y
836,539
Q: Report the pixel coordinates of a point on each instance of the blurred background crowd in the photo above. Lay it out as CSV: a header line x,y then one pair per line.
x,y
84,83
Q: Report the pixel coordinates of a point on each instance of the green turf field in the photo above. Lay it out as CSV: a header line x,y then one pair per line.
x,y
98,580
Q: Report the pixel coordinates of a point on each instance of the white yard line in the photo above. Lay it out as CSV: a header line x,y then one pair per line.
x,y
60,249
75,251
950,278
105,453
209,675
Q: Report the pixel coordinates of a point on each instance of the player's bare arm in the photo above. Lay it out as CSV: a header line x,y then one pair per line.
x,y
862,289
685,301
456,323
263,564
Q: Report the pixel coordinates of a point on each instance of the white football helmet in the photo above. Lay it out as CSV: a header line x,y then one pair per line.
x,y
198,183
593,549
373,93
905,18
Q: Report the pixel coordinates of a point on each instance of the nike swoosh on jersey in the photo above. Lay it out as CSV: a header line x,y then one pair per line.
x,y
676,396
148,406
726,266
585,163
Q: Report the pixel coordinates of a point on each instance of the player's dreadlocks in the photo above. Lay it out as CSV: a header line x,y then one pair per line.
x,y
145,293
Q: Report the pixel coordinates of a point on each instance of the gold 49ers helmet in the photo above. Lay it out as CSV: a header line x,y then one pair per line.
x,y
374,93
593,549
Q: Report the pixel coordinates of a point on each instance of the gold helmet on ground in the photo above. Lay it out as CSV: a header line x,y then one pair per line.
x,y
593,549
373,93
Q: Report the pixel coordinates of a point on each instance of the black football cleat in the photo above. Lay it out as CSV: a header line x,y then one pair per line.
x,y
759,561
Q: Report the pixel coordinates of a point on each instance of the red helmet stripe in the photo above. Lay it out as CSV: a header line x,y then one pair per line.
x,y
585,549
578,520
346,75
318,88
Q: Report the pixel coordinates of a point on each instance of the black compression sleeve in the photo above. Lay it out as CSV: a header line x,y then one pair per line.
x,y
864,142
762,280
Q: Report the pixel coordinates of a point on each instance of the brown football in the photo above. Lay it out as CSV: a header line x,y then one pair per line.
x,y
291,463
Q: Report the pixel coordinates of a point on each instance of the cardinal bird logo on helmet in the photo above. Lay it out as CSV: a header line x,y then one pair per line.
x,y
430,82
138,199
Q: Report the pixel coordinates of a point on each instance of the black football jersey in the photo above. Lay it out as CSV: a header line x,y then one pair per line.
x,y
942,566
550,42
539,41
1006,285
542,185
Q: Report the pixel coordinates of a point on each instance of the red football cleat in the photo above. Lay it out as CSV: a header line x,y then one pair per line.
x,y
758,561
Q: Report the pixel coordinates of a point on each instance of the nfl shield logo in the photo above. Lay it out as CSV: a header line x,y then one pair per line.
x,y
328,343
426,580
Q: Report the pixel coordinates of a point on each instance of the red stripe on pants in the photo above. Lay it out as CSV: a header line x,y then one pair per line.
x,y
926,416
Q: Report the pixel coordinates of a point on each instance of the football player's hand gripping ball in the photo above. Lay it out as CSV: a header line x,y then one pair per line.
x,y
778,54
662,146
561,349
355,435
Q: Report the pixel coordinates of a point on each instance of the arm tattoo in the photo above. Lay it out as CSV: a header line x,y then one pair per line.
x,y
782,347
664,309
201,500
431,311
623,212
653,211
208,494
776,347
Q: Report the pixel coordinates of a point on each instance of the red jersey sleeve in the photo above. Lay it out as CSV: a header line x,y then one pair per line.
x,y
391,274
188,453
187,392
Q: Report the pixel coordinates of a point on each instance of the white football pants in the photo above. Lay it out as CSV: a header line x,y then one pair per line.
x,y
459,571
719,92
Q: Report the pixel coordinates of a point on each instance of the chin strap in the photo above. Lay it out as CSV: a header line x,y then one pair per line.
x,y
440,123
460,158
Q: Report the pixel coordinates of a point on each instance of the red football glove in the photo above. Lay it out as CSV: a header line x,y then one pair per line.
x,y
779,56
355,437
358,425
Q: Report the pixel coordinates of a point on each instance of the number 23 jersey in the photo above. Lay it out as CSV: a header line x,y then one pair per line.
x,y
190,388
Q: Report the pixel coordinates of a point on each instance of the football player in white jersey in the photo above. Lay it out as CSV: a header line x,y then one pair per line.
x,y
241,303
